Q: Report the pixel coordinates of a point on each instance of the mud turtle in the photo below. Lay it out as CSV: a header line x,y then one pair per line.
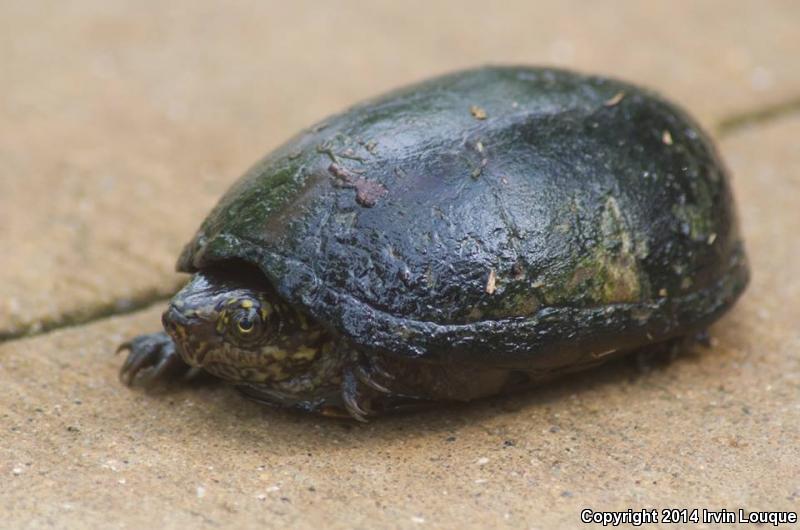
x,y
461,237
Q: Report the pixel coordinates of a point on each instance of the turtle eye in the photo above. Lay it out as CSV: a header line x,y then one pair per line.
x,y
247,323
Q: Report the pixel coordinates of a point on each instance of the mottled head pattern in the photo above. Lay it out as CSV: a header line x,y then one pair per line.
x,y
234,326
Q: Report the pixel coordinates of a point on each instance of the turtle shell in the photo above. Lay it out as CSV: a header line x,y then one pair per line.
x,y
509,216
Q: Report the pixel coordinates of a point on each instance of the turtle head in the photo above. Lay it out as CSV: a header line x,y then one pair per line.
x,y
233,324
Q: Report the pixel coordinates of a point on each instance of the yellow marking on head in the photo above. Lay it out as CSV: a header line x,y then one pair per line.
x,y
274,352
305,353
221,323
247,304
276,371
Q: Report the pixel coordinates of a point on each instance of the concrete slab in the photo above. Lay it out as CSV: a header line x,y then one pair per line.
x,y
714,429
122,122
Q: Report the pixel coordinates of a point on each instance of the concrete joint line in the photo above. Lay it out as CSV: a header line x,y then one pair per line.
x,y
756,116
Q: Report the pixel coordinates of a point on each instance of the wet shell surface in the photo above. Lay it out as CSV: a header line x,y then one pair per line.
x,y
511,217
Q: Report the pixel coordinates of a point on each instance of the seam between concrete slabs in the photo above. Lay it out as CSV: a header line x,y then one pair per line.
x,y
763,115
88,315
725,127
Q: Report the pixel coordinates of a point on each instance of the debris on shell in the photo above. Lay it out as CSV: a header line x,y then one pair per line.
x,y
478,113
478,170
666,138
367,191
351,155
371,146
604,353
615,99
491,282
711,238
662,292
325,149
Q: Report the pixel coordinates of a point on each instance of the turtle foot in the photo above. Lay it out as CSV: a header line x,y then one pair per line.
x,y
152,359
368,391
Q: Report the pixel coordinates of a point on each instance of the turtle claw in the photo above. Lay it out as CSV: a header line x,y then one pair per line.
x,y
365,377
352,398
151,359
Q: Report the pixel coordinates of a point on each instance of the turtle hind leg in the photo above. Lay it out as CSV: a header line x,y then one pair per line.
x,y
660,354
153,359
705,339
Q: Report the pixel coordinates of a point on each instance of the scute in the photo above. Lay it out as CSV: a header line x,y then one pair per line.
x,y
578,213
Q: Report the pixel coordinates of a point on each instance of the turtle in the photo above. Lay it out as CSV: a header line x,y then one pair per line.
x,y
473,234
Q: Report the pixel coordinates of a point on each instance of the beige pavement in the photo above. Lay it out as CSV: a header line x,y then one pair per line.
x,y
122,122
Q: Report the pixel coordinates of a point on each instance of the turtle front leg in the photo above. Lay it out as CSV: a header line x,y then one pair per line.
x,y
368,389
152,359
356,396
